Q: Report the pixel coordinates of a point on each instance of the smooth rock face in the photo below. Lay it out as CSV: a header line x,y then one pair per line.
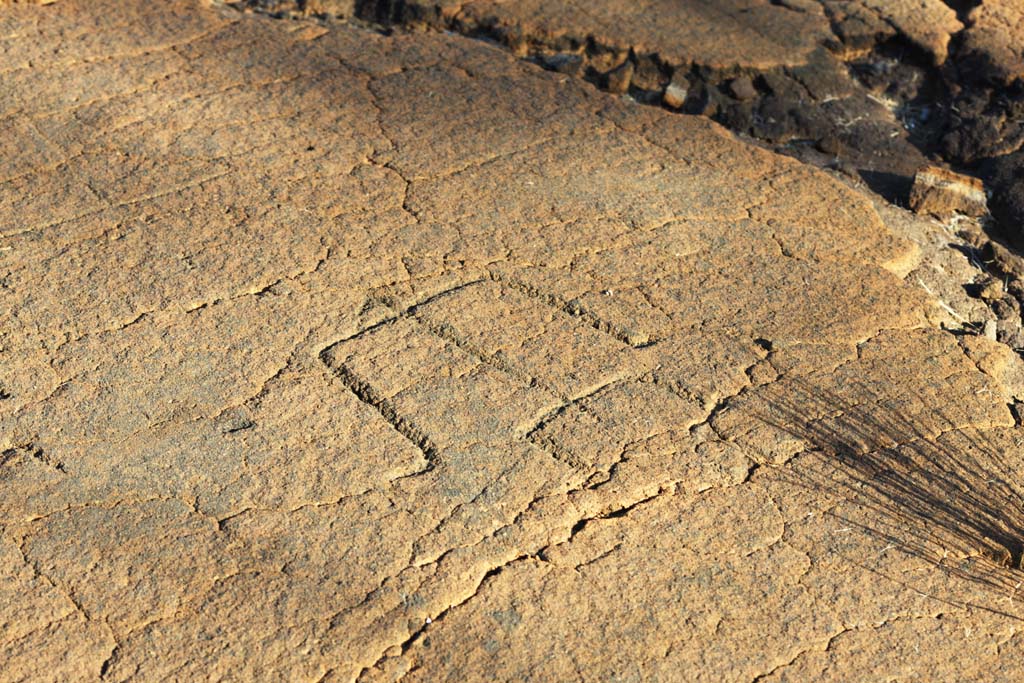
x,y
330,355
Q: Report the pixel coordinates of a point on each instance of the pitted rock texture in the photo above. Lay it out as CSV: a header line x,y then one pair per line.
x,y
929,25
994,35
332,355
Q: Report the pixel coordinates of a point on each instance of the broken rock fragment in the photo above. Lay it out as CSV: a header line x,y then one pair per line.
x,y
333,8
676,92
571,64
927,24
941,192
619,78
742,88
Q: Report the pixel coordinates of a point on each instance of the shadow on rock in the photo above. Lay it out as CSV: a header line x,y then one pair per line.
x,y
952,496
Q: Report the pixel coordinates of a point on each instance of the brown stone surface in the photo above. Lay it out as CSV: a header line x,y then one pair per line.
x,y
996,34
717,34
818,80
330,355
735,33
927,24
299,8
942,192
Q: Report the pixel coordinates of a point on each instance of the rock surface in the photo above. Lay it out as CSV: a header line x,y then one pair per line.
x,y
738,34
331,355
871,87
994,35
732,34
929,25
885,91
785,73
943,193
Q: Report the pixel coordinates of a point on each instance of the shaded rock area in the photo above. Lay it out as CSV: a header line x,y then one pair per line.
x,y
333,355
993,39
1006,173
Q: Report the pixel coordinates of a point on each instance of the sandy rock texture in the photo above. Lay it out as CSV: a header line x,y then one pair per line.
x,y
329,355
880,91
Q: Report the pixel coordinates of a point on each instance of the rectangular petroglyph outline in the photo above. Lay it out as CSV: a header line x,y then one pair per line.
x,y
406,427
